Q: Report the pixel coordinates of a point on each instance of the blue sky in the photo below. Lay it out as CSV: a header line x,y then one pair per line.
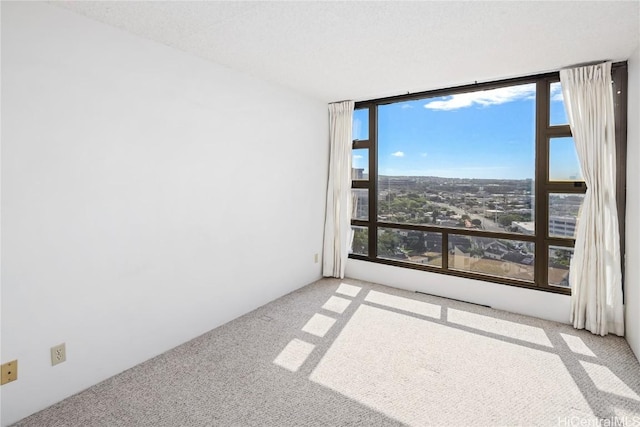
x,y
483,134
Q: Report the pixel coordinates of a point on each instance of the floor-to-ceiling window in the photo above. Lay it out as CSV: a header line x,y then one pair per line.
x,y
480,181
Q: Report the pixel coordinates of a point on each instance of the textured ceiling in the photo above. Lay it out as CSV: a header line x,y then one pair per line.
x,y
362,50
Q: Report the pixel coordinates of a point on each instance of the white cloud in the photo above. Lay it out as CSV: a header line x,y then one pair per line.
x,y
556,92
357,156
484,98
423,154
405,106
398,154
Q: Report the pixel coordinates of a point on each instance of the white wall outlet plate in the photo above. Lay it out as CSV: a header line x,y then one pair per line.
x,y
58,354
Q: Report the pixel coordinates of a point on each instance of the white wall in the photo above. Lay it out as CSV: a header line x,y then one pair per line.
x,y
632,272
544,305
148,196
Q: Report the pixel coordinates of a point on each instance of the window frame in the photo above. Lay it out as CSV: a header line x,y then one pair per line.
x,y
543,187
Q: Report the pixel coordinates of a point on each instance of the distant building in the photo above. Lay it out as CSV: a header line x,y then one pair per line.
x,y
518,257
456,241
524,227
496,250
559,226
461,259
562,226
447,222
360,204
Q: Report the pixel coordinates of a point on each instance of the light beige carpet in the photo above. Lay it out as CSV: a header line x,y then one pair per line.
x,y
346,352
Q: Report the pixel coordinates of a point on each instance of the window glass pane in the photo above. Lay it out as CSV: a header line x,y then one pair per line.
x,y
464,161
360,164
563,160
416,247
360,203
563,214
360,242
557,113
360,124
496,257
559,261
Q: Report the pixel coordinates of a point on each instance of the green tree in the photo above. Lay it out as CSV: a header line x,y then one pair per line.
x,y
360,241
506,220
388,243
415,242
562,257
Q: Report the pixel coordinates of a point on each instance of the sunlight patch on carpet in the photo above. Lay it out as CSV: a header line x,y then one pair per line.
x,y
319,325
348,290
336,304
294,354
576,345
607,381
498,326
411,369
405,304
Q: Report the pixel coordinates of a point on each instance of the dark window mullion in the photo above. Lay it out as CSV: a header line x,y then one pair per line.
x,y
373,182
542,174
357,144
558,131
360,222
453,230
445,250
577,187
560,241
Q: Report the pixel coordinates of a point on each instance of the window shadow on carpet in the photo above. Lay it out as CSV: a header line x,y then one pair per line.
x,y
425,360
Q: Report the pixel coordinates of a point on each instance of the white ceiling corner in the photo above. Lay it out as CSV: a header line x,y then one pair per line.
x,y
361,50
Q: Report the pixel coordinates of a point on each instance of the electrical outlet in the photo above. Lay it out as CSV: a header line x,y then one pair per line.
x,y
9,372
58,354
315,258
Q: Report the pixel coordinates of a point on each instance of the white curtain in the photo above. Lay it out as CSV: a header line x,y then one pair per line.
x,y
595,273
337,225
